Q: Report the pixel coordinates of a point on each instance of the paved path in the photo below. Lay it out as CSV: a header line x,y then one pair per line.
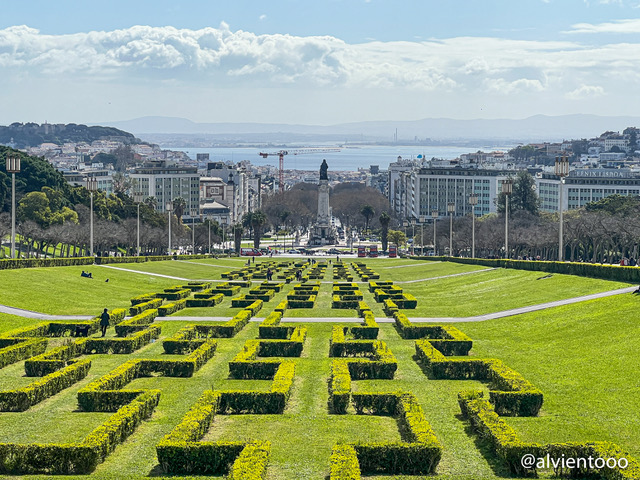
x,y
42,316
478,318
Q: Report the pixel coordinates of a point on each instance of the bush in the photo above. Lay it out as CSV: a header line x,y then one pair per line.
x,y
13,350
141,307
344,463
79,458
511,393
339,387
206,301
122,345
172,307
21,399
137,323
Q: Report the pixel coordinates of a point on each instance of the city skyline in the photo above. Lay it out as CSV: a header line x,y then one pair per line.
x,y
320,64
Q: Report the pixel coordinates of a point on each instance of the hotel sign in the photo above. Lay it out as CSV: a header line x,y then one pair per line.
x,y
601,173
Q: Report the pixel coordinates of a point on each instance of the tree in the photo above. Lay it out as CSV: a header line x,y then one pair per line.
x,y
367,212
397,237
384,220
124,157
523,197
237,236
179,206
258,219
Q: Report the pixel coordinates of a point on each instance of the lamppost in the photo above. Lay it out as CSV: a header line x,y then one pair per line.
x,y
137,198
473,201
561,170
451,208
209,244
13,167
193,213
434,216
507,189
413,235
92,186
168,207
405,224
422,220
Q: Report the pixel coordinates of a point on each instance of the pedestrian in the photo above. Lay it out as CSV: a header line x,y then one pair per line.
x,y
104,322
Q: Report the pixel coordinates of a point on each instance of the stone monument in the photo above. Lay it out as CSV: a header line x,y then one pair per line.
x,y
323,233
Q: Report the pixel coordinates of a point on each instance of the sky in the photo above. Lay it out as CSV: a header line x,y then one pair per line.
x,y
318,63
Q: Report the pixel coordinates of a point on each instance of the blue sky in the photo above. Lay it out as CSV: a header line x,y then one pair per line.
x,y
323,62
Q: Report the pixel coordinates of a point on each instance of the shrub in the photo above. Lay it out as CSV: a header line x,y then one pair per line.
x,y
339,387
137,323
21,399
141,307
172,307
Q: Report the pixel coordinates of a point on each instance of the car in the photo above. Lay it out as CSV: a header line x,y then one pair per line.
x,y
334,251
294,251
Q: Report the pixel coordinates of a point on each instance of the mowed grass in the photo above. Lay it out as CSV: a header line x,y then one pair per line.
x,y
582,356
61,290
497,290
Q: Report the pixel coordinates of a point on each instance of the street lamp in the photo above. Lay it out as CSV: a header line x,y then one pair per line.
x,y
13,167
507,189
561,170
137,198
473,201
92,186
405,224
193,213
413,236
434,216
422,220
451,208
169,207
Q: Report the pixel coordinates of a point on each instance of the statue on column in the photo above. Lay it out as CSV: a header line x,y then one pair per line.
x,y
323,170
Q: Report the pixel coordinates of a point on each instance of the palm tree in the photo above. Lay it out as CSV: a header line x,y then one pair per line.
x,y
384,219
367,212
179,206
258,219
151,202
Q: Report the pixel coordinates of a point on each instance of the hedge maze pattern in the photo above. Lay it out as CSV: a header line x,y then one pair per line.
x,y
356,354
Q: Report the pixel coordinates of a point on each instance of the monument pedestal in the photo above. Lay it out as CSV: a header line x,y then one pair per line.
x,y
323,232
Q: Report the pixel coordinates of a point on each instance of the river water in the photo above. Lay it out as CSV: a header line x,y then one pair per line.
x,y
347,159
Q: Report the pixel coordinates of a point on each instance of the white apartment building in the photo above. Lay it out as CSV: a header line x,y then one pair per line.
x,y
416,192
586,185
166,182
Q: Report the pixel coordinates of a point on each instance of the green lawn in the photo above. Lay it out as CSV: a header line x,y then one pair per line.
x,y
582,356
497,290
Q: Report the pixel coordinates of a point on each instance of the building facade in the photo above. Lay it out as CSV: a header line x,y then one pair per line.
x,y
586,185
416,192
166,182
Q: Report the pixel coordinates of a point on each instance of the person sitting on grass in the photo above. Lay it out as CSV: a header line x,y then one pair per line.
x,y
104,321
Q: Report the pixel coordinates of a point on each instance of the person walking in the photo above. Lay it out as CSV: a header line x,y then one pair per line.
x,y
104,322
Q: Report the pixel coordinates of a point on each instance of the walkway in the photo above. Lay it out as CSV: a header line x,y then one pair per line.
x,y
41,316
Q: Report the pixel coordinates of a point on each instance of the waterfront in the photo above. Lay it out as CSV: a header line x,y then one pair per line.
x,y
347,159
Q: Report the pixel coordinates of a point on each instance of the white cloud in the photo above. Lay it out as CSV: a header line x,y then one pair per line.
x,y
262,17
618,26
502,86
585,91
460,70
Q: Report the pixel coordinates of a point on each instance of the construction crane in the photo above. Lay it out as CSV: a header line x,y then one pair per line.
x,y
299,151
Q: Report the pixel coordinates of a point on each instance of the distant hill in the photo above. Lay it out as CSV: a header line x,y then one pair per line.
x,y
31,134
535,128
